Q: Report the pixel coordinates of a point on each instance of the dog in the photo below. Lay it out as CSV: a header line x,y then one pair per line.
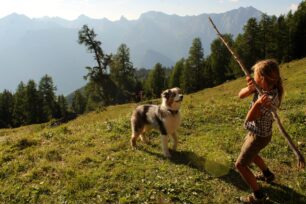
x,y
164,117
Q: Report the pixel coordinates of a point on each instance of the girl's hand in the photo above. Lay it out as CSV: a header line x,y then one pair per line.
x,y
264,100
246,91
250,84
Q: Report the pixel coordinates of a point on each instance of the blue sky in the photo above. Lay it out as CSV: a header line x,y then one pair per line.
x,y
131,9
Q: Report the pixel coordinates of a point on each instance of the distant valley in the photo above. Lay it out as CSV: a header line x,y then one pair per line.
x,y
31,48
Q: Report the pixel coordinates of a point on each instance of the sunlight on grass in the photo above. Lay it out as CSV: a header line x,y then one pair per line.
x,y
217,163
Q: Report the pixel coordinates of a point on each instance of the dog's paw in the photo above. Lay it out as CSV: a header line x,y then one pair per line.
x,y
145,140
134,147
133,143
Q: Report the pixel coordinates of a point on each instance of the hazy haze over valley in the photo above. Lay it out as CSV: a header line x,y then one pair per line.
x,y
31,48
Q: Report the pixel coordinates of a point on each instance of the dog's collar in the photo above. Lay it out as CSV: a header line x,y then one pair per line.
x,y
173,112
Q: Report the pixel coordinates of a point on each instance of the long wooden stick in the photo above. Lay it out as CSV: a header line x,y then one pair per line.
x,y
300,158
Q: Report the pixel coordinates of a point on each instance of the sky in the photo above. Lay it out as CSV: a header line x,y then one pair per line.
x,y
132,9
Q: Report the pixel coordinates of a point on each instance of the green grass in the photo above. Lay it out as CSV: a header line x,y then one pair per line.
x,y
89,160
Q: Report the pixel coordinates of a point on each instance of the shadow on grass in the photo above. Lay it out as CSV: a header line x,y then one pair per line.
x,y
194,161
278,193
189,159
183,157
234,178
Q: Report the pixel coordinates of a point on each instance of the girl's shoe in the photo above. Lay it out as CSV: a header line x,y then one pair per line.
x,y
252,199
268,179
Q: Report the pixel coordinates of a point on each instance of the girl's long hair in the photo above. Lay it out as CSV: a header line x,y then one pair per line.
x,y
269,69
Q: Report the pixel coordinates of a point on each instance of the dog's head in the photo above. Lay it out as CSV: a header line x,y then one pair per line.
x,y
172,98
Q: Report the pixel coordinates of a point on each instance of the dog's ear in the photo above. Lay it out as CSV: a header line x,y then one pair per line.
x,y
166,93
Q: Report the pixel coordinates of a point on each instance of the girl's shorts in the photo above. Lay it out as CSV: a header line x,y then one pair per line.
x,y
251,147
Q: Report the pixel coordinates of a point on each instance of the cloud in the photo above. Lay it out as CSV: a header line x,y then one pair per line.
x,y
293,7
235,1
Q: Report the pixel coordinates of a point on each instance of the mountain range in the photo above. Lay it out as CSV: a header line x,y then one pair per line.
x,y
31,48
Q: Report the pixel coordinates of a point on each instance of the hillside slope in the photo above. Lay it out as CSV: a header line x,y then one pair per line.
x,y
89,160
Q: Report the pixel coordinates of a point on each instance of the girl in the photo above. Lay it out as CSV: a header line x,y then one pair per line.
x,y
259,124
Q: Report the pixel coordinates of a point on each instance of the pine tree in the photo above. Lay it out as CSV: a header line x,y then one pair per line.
x,y
19,113
139,93
196,65
123,74
186,78
299,31
33,105
63,106
268,36
6,109
176,73
248,45
97,74
47,94
220,60
78,103
156,81
283,40
209,74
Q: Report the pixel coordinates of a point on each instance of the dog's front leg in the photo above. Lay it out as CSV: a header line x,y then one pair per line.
x,y
165,148
174,138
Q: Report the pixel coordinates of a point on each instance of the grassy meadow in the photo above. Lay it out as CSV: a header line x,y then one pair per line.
x,y
89,159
